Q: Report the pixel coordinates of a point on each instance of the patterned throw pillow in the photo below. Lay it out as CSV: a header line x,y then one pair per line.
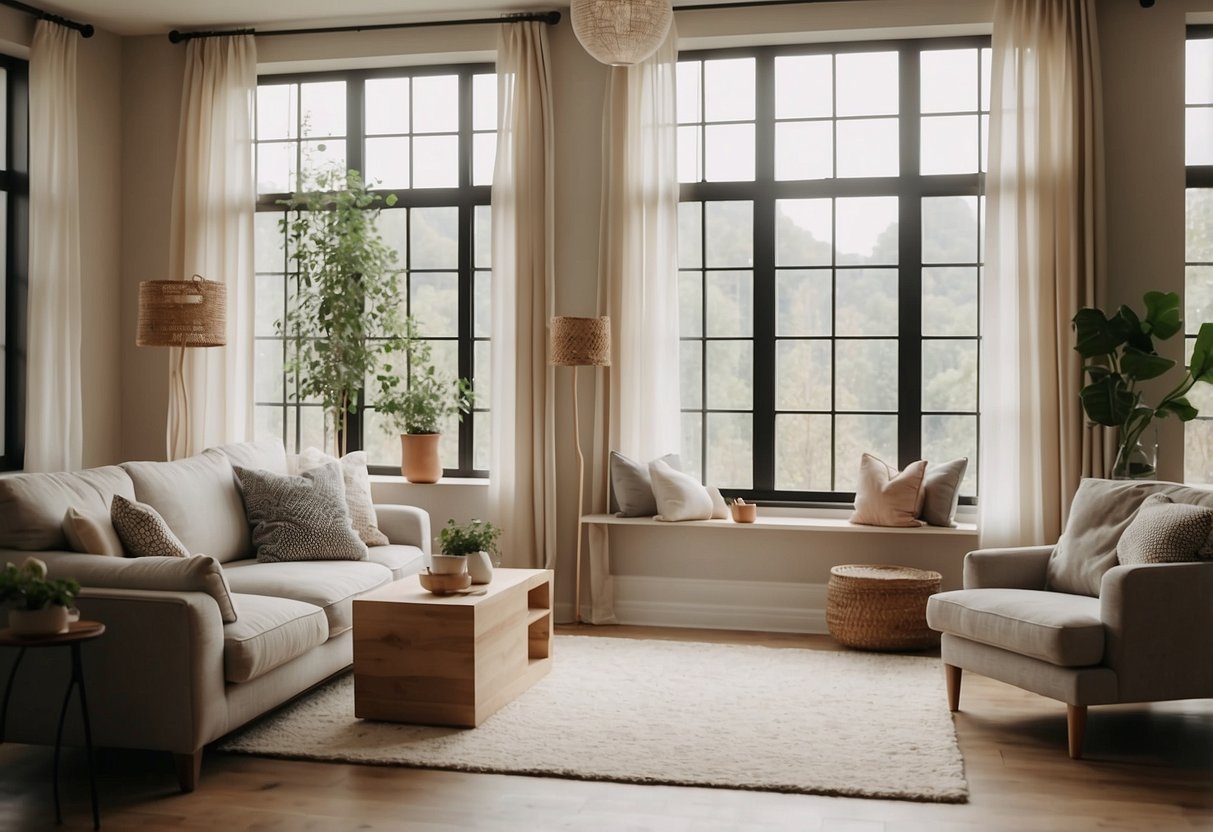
x,y
299,518
357,491
1165,532
143,531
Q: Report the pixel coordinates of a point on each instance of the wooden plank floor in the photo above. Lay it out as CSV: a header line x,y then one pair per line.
x,y
1148,768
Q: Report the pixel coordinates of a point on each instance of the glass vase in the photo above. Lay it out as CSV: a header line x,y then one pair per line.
x,y
1138,460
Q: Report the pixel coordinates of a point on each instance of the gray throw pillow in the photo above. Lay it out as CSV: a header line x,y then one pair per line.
x,y
941,487
143,531
631,486
1165,532
299,518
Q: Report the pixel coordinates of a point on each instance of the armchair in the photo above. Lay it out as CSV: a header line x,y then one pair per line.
x,y
1069,623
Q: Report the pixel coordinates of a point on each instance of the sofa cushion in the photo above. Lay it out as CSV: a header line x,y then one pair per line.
x,y
264,455
1099,515
331,585
301,518
269,633
143,531
199,500
1055,627
91,534
32,506
402,560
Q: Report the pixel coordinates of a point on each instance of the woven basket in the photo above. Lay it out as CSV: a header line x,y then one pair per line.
x,y
881,607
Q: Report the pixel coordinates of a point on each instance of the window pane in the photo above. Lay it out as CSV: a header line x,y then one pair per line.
x,y
1198,297
1198,74
320,156
381,441
387,163
855,435
482,234
482,306
690,304
268,423
868,147
436,104
803,375
730,448
690,154
1199,138
945,438
436,162
803,231
268,377
729,89
268,243
730,375
866,231
688,92
276,168
323,108
949,144
434,303
387,105
804,150
690,374
866,302
949,375
270,301
804,302
484,102
802,452
277,111
804,86
866,375
1198,246
690,235
482,368
435,238
867,84
484,158
482,441
986,65
730,233
949,229
949,81
729,155
692,444
1198,451
730,304
949,301
393,226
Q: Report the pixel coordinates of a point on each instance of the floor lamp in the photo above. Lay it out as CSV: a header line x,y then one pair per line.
x,y
183,314
579,342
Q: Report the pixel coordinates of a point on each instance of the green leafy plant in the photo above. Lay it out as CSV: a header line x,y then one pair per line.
x,y
463,539
426,398
26,587
1119,354
346,297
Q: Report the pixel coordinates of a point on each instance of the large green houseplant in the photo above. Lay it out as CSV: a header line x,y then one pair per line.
x,y
1119,355
345,308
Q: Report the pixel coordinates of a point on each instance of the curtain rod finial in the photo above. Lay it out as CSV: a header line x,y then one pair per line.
x,y
87,31
1147,4
175,36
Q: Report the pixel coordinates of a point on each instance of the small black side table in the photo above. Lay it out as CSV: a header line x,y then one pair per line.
x,y
78,633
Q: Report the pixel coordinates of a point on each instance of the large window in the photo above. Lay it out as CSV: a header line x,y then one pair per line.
x,y
14,256
1198,249
426,135
830,247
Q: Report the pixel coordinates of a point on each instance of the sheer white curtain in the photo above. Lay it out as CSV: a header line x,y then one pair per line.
x,y
1044,261
214,195
522,483
54,433
637,410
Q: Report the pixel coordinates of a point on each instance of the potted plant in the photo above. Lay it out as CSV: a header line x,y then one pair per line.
x,y
39,606
477,542
418,406
1119,354
346,299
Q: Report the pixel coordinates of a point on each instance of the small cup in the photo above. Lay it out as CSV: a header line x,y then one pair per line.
x,y
744,512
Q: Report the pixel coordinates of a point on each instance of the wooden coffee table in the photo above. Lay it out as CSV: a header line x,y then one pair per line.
x,y
455,659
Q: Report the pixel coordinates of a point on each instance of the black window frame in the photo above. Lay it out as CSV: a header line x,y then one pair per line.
x,y
466,197
1195,176
909,186
14,182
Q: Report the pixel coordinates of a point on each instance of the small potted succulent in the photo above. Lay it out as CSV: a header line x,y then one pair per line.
x,y
475,542
38,606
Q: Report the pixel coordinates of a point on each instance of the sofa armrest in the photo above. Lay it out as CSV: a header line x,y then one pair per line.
x,y
154,678
405,525
1159,629
1023,567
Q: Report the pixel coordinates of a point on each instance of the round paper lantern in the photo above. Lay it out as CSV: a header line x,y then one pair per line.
x,y
621,32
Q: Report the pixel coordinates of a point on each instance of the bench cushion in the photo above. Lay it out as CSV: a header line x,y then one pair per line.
x,y
1055,627
330,585
269,633
402,560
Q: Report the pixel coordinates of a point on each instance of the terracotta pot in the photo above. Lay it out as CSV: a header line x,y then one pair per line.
x,y
47,621
419,460
744,513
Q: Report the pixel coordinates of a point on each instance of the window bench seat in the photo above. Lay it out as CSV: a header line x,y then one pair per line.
x,y
785,523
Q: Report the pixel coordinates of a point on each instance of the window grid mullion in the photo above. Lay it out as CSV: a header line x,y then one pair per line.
x,y
909,267
762,281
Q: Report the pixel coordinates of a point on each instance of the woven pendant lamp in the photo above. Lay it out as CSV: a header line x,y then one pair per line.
x,y
621,32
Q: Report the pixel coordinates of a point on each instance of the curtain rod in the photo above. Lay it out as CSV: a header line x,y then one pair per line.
x,y
745,4
85,29
550,18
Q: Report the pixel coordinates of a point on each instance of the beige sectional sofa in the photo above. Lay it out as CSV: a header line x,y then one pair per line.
x,y
169,674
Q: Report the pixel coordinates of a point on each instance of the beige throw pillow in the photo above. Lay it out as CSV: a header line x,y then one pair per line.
x,y
679,496
357,491
885,497
143,531
91,535
1165,532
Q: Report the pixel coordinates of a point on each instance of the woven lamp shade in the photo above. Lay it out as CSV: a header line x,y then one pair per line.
x,y
580,342
182,313
621,32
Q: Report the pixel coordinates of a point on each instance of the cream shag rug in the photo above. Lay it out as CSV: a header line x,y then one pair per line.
x,y
676,713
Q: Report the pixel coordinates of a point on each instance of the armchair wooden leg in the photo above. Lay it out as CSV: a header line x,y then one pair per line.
x,y
1076,725
952,676
188,768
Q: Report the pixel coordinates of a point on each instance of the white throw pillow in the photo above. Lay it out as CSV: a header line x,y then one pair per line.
x,y
679,496
357,490
720,509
